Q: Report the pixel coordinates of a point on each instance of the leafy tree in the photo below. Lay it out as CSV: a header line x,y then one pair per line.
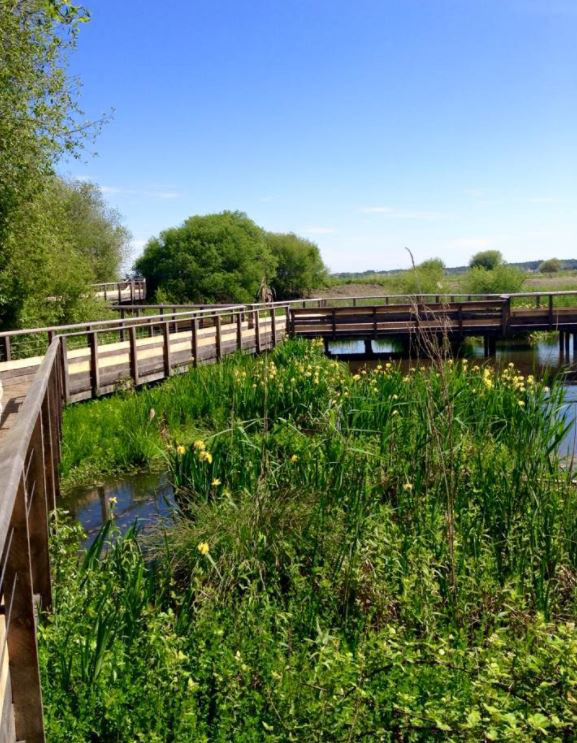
x,y
551,265
488,259
502,279
39,122
213,258
299,268
95,229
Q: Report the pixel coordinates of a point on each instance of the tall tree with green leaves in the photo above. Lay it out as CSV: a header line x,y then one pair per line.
x,y
299,268
213,258
39,122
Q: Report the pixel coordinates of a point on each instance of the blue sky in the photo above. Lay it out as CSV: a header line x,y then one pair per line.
x,y
448,126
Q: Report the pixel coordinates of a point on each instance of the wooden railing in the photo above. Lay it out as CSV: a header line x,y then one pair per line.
x,y
29,461
131,290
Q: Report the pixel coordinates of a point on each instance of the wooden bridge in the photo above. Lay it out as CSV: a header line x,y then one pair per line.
x,y
131,290
44,368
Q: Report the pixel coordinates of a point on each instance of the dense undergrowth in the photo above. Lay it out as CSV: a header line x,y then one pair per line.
x,y
380,556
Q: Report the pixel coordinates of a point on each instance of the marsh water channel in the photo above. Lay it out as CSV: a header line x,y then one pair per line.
x,y
143,498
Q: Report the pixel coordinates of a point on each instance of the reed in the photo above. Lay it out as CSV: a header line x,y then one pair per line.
x,y
388,555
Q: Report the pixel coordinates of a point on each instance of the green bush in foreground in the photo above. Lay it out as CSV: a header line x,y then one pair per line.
x,y
379,556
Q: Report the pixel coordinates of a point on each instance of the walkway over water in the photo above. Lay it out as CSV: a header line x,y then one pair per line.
x,y
44,368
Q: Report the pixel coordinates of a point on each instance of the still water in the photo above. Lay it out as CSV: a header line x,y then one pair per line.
x,y
145,497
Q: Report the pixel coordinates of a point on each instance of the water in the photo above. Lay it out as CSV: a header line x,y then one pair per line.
x,y
140,498
145,497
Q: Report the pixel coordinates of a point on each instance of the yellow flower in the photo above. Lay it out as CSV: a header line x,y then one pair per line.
x,y
180,450
113,500
295,458
216,482
203,548
199,444
521,403
407,487
205,456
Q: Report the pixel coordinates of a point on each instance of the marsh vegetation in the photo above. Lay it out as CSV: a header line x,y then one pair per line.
x,y
374,556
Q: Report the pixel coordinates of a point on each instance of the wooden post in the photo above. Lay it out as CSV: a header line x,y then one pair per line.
x,y
239,330
460,317
505,315
561,343
194,339
132,292
374,322
218,337
574,345
538,300
65,379
7,348
94,370
133,354
550,311
21,628
122,315
273,326
334,323
50,461
37,507
354,301
486,346
119,294
256,331
166,348
567,345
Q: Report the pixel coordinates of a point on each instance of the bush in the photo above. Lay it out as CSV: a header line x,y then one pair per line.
x,y
501,280
213,258
299,269
551,265
488,259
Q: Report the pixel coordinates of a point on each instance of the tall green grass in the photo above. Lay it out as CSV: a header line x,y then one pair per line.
x,y
379,556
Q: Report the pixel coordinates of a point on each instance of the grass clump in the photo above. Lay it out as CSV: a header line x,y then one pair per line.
x,y
379,556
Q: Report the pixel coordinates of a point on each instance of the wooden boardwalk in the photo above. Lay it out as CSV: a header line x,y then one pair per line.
x,y
79,362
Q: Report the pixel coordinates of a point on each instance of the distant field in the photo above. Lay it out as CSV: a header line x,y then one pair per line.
x,y
452,283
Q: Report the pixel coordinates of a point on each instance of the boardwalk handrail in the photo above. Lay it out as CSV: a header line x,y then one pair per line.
x,y
29,460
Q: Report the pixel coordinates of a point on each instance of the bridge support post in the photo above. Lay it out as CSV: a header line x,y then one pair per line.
x,y
567,337
368,347
561,343
486,346
574,346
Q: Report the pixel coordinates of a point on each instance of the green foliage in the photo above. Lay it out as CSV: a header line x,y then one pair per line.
x,y
95,230
299,267
54,237
426,278
379,556
502,279
488,259
551,265
214,258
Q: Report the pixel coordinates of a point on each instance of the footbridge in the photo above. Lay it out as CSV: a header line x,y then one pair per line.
x,y
42,369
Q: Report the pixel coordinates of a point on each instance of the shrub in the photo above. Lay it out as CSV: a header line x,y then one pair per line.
x,y
501,280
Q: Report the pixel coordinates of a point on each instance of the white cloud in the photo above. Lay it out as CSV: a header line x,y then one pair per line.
x,y
151,193
319,230
392,212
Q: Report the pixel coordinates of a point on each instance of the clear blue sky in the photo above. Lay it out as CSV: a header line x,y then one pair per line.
x,y
448,126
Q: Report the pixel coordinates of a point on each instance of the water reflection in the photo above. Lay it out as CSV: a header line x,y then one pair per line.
x,y
138,498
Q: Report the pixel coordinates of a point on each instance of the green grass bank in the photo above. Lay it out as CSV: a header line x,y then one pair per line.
x,y
379,556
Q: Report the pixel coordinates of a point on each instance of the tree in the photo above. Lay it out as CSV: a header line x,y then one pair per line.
x,y
39,121
488,259
213,258
95,229
551,265
299,266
